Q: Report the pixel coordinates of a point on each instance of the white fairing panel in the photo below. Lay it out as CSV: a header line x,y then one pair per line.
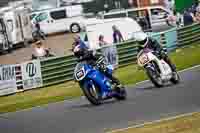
x,y
165,69
145,58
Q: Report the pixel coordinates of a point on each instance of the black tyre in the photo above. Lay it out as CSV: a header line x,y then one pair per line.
x,y
92,93
122,94
75,28
175,78
154,77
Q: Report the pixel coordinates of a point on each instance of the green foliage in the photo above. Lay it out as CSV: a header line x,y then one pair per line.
x,y
182,5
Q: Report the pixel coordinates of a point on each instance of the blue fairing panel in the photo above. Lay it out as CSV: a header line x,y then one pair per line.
x,y
99,79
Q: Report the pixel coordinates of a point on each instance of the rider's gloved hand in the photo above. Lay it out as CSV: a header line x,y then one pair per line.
x,y
157,53
164,51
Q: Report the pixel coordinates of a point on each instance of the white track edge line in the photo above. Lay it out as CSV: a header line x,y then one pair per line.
x,y
154,122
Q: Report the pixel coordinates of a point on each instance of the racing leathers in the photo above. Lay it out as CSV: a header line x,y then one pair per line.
x,y
84,54
159,51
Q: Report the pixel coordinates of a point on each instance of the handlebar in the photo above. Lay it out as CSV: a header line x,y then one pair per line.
x,y
100,60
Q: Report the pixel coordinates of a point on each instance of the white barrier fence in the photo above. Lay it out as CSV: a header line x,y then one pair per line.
x,y
31,75
7,87
19,77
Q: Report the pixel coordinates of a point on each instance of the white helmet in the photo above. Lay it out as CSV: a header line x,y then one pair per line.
x,y
141,38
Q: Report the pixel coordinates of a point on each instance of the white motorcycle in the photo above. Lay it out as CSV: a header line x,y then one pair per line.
x,y
157,69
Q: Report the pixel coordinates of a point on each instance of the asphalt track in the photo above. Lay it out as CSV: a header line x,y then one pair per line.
x,y
144,103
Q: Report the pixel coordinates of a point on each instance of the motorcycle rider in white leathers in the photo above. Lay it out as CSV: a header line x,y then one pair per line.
x,y
145,41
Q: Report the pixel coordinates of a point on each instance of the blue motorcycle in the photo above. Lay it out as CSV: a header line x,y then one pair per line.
x,y
95,85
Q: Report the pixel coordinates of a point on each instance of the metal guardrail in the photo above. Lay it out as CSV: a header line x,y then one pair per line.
x,y
188,35
127,53
57,70
60,69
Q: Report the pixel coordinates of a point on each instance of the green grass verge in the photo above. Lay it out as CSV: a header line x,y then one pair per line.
x,y
183,58
186,124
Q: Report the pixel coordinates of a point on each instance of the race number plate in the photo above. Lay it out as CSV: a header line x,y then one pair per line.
x,y
143,59
80,74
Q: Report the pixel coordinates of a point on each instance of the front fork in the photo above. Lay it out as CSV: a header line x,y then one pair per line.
x,y
104,87
152,67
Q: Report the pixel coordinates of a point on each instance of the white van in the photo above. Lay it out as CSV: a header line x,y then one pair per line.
x,y
156,16
16,25
95,28
60,19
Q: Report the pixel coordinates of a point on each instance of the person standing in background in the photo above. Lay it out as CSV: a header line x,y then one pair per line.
x,y
78,42
117,4
38,33
105,50
106,8
198,7
117,38
172,19
197,16
117,35
178,19
188,18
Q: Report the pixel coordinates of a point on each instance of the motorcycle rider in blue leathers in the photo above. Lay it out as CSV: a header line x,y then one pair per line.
x,y
148,42
82,52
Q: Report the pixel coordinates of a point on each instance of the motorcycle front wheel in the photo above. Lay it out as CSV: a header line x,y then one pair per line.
x,y
154,77
92,93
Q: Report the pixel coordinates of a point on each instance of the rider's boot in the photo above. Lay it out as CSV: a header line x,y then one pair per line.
x,y
116,82
168,61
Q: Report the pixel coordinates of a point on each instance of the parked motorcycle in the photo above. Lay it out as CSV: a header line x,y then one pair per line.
x,y
95,85
158,71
